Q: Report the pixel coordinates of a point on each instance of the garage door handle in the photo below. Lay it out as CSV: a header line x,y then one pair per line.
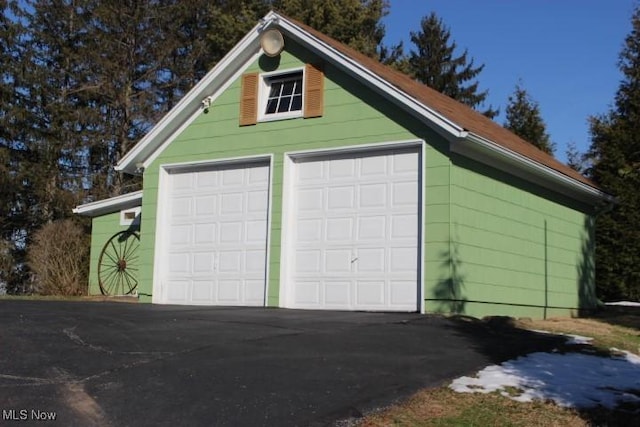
x,y
354,260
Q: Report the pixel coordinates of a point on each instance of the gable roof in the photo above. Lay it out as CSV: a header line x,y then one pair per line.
x,y
469,132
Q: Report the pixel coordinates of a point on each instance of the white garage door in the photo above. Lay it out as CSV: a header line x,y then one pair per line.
x,y
355,233
217,236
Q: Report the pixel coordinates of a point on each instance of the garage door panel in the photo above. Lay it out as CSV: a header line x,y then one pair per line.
x,y
373,195
231,232
203,263
206,205
404,259
205,234
201,290
371,260
404,194
404,163
371,228
341,168
339,229
232,177
308,261
309,230
374,166
370,293
403,292
254,292
228,291
217,235
232,204
341,197
337,261
255,231
355,230
254,261
181,207
404,226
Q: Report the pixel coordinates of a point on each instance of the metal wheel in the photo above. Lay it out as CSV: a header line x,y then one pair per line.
x,y
118,264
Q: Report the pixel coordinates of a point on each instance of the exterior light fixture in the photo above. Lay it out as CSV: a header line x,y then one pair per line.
x,y
272,42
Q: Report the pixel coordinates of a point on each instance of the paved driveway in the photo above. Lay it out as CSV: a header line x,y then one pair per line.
x,y
135,364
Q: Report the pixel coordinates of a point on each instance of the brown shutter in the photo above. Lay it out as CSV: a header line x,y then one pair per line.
x,y
249,100
313,91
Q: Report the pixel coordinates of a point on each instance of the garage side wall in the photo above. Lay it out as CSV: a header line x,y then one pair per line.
x,y
102,229
353,115
515,249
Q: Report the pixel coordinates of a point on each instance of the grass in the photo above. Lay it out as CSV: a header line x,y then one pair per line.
x,y
444,407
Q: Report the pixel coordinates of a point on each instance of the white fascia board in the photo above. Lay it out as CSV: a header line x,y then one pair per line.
x,y
110,205
492,154
189,105
402,99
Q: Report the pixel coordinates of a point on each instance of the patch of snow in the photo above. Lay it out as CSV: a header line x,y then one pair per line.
x,y
624,303
577,339
571,339
571,380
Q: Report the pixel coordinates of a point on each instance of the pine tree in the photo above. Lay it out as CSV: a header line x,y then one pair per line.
x,y
434,63
524,119
615,152
356,23
577,160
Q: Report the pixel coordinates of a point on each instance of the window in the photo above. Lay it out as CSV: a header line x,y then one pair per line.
x,y
284,97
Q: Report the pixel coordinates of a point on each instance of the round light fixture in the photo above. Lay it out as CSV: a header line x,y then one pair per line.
x,y
272,42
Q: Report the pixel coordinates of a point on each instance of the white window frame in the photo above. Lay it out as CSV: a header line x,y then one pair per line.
x,y
136,216
263,94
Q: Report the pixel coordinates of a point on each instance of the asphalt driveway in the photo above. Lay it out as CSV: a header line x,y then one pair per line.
x,y
124,364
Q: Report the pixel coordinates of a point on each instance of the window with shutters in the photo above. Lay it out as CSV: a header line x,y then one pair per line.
x,y
282,95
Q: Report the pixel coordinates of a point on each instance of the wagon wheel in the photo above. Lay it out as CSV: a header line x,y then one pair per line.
x,y
118,264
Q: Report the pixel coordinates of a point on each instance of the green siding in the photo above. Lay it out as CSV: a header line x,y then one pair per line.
x,y
493,244
102,229
515,249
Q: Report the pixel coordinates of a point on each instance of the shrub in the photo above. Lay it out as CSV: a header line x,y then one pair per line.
x,y
59,257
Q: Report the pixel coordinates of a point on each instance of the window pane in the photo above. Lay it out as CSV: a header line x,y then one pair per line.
x,y
271,106
275,89
288,88
298,89
296,103
284,104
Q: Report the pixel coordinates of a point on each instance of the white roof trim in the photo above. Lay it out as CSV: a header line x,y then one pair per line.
x,y
110,205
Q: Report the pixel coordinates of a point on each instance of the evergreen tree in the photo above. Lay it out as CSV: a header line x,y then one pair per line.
x,y
10,152
356,23
576,160
524,119
615,152
434,63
